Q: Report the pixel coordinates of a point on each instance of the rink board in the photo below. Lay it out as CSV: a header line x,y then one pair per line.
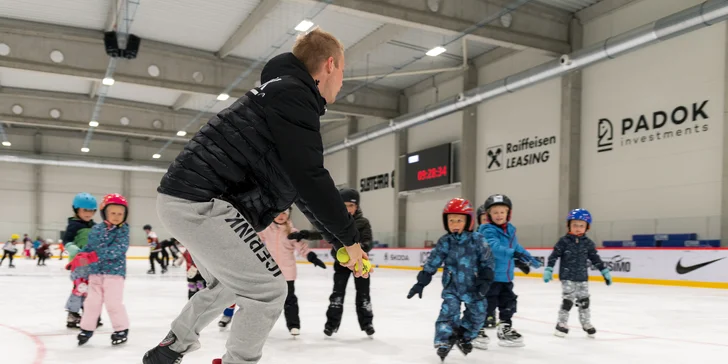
x,y
632,265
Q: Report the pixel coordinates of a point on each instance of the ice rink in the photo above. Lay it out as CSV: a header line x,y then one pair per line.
x,y
635,323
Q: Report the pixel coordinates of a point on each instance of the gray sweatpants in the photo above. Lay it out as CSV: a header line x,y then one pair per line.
x,y
238,269
575,294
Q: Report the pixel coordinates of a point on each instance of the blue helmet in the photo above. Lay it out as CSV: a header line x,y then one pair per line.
x,y
85,201
579,214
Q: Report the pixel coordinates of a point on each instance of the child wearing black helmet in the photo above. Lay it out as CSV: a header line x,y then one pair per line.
x,y
155,247
501,236
342,274
467,275
575,250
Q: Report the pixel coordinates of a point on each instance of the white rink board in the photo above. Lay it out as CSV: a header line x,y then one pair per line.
x,y
636,265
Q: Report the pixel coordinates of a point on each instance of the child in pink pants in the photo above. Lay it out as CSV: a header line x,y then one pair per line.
x,y
110,241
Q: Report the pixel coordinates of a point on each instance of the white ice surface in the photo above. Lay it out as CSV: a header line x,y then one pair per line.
x,y
635,323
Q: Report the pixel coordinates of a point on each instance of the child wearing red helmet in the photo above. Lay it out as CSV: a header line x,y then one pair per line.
x,y
468,272
110,242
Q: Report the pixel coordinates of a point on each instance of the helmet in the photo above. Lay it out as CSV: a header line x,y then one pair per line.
x,y
114,199
147,227
84,201
579,214
459,206
14,237
498,199
480,212
349,195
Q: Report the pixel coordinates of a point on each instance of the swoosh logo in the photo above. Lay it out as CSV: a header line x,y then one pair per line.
x,y
680,269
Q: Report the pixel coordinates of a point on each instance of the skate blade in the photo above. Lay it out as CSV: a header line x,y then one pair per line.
x,y
118,342
480,346
510,344
558,333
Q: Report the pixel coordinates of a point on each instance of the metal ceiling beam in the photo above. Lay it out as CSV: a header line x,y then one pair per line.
x,y
75,109
181,101
534,26
28,130
382,35
247,26
601,8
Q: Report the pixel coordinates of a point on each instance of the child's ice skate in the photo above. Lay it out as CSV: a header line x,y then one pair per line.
x,y
443,350
561,330
490,322
509,337
224,321
84,336
330,330
295,332
119,337
590,330
481,342
73,320
369,330
151,271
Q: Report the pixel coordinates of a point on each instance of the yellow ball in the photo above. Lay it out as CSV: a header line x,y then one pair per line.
x,y
343,257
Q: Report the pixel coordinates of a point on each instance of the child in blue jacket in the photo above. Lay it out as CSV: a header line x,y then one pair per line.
x,y
468,274
110,241
501,236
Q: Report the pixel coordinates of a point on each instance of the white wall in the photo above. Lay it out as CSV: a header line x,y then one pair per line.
x,y
671,184
16,199
424,217
533,113
337,165
375,158
143,206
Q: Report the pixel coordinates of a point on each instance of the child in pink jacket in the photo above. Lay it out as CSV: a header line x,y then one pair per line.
x,y
283,252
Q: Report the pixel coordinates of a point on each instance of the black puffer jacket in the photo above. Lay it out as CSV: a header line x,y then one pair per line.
x,y
264,153
574,251
362,225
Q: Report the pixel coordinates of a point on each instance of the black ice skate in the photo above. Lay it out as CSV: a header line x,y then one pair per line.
x,y
162,354
590,330
224,321
151,271
481,342
443,350
329,330
84,336
73,320
561,330
465,346
369,330
509,337
490,322
164,270
119,337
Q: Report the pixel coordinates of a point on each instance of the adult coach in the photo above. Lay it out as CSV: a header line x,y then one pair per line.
x,y
249,163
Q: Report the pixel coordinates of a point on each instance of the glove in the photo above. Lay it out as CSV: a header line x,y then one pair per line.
x,y
313,258
536,263
416,290
298,236
548,274
423,279
482,283
607,276
523,266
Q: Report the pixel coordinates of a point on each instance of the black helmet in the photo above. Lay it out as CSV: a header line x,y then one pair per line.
x,y
495,200
147,227
349,195
479,212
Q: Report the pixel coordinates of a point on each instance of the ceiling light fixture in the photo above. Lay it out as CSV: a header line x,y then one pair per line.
x,y
108,81
436,51
304,25
223,97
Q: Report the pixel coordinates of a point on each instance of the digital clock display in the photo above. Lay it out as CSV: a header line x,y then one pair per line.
x,y
428,168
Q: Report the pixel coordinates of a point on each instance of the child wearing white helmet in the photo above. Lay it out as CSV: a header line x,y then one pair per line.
x,y
575,250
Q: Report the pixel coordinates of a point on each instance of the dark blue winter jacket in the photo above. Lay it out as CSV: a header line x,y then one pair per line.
x,y
504,244
466,259
575,252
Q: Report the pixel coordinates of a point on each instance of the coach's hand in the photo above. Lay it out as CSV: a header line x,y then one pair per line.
x,y
356,257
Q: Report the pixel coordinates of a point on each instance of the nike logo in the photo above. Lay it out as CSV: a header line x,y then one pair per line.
x,y
680,269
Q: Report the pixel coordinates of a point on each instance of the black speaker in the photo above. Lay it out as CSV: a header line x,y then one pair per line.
x,y
111,44
132,47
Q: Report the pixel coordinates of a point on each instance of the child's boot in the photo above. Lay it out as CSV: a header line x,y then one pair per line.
x,y
84,336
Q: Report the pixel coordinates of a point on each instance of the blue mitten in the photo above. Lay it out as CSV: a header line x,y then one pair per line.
x,y
536,263
548,274
607,276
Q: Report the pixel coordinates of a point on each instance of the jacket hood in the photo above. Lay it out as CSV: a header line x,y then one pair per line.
x,y
287,64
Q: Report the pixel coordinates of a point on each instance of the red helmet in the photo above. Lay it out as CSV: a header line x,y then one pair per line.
x,y
113,199
459,206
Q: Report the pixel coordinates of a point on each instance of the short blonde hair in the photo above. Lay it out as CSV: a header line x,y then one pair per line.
x,y
315,47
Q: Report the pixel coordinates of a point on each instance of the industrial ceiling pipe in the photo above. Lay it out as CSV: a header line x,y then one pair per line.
x,y
683,22
61,162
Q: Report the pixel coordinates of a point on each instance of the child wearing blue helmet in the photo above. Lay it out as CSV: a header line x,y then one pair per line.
x,y
574,249
74,239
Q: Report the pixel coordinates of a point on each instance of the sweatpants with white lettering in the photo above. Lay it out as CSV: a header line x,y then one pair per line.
x,y
237,268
